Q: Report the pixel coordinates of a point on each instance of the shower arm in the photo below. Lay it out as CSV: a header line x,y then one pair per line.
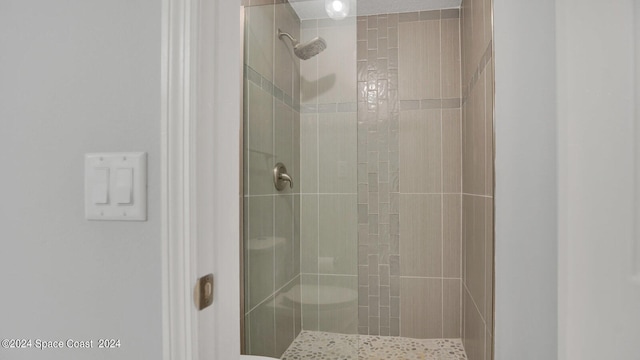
x,y
282,33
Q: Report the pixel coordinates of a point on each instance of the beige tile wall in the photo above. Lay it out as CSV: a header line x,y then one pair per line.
x,y
271,219
328,153
430,157
378,176
477,179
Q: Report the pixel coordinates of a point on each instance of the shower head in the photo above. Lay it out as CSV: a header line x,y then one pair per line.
x,y
307,50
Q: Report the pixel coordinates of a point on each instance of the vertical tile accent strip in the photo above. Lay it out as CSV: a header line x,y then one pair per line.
x,y
378,175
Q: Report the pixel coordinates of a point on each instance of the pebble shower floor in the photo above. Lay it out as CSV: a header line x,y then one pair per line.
x,y
330,346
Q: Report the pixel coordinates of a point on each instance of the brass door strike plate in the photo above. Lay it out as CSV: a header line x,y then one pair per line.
x,y
204,292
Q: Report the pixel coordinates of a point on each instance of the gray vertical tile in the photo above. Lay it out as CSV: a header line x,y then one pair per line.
x,y
450,58
338,240
421,151
474,339
488,314
451,151
451,235
344,320
430,58
284,323
283,240
475,256
421,308
261,254
260,145
421,229
309,233
410,74
310,310
452,308
263,340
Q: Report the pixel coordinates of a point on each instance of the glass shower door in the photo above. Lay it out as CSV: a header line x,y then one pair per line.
x,y
300,225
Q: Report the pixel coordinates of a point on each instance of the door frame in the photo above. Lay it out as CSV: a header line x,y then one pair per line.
x,y
178,315
513,139
201,64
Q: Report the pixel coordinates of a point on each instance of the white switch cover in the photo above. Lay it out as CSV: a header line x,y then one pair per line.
x,y
116,186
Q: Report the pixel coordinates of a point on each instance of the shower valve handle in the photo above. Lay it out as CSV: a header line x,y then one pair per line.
x,y
280,177
286,177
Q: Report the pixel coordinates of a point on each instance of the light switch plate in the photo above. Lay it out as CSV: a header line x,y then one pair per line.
x,y
114,209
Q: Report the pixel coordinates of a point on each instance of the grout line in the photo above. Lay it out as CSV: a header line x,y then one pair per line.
x,y
480,196
321,274
462,105
317,118
429,193
476,306
442,190
292,194
272,295
273,149
429,277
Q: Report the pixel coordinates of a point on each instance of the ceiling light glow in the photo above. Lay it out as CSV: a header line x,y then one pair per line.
x,y
337,9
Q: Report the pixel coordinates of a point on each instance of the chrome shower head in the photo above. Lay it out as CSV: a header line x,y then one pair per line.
x,y
307,50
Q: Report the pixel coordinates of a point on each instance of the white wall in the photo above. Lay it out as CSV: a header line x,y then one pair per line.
x,y
526,177
77,76
597,61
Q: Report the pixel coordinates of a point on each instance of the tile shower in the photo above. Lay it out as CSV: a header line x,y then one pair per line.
x,y
386,236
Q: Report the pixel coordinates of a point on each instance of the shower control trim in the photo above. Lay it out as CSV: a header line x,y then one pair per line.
x,y
280,177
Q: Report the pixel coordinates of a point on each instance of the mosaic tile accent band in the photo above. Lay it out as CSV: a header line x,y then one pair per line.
x,y
252,75
331,346
378,176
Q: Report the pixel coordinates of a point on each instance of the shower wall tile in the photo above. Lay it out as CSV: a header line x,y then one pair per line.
x,y
452,236
272,221
285,314
488,277
285,62
283,139
421,231
329,170
284,238
296,234
488,345
416,319
452,296
309,68
261,262
378,164
488,21
310,308
409,84
489,129
474,137
309,233
342,317
477,164
338,149
260,39
260,141
430,57
309,153
247,333
336,77
411,76
474,330
451,151
338,234
475,255
263,329
451,65
420,151
478,17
